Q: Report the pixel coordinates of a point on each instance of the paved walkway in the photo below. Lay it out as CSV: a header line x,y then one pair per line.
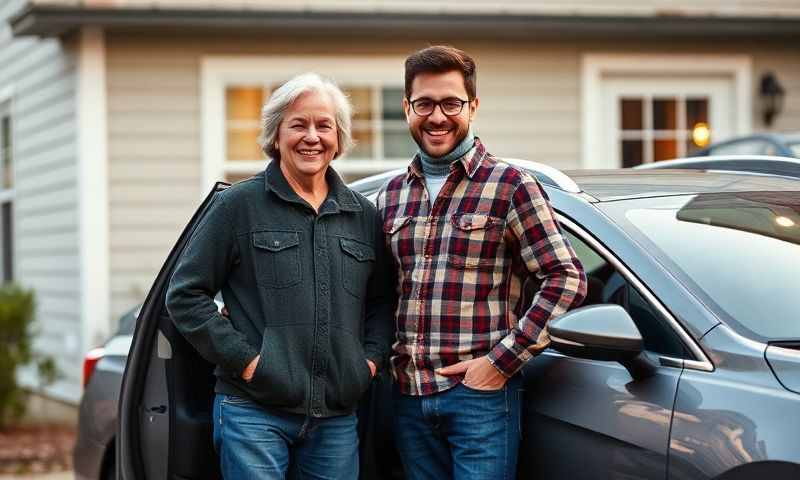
x,y
40,476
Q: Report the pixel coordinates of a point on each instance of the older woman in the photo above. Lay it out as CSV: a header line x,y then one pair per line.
x,y
299,260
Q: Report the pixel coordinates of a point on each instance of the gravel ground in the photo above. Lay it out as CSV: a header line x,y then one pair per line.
x,y
36,450
40,476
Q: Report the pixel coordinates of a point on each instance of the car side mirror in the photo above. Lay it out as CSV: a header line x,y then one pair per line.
x,y
602,332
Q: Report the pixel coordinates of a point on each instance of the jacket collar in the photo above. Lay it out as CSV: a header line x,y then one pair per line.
x,y
341,197
471,161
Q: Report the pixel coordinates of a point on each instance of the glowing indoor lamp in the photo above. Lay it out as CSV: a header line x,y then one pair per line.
x,y
701,134
784,221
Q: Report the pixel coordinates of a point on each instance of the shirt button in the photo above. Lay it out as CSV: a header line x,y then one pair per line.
x,y
276,243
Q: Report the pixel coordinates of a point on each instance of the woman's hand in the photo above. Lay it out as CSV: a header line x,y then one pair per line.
x,y
247,375
372,368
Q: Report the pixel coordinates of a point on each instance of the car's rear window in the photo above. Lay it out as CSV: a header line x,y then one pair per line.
x,y
127,322
795,148
739,251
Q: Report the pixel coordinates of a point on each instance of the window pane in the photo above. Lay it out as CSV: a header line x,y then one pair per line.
x,y
397,142
393,104
691,148
242,144
6,152
664,114
631,114
363,148
237,177
632,153
8,245
696,111
665,149
243,103
361,98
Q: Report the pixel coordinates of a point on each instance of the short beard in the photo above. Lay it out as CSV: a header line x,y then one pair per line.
x,y
418,141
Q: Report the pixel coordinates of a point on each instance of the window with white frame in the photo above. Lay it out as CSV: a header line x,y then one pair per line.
x,y
6,194
234,90
379,129
654,128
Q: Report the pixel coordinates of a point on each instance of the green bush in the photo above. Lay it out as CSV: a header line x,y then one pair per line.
x,y
16,339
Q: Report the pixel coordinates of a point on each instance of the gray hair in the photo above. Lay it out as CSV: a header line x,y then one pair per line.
x,y
281,99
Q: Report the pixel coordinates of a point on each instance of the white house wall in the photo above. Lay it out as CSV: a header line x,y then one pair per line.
x,y
41,75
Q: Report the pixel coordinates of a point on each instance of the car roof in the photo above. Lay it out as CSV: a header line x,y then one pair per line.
x,y
618,184
609,185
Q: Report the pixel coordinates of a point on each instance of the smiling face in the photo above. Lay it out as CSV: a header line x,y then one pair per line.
x,y
438,134
308,137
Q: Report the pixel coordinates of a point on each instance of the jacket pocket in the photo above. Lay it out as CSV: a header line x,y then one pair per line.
x,y
276,255
476,240
358,260
351,376
274,382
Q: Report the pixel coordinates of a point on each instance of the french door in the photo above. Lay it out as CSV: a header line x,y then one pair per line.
x,y
660,118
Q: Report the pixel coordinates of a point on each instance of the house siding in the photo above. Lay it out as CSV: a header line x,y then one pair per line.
x,y
41,74
530,108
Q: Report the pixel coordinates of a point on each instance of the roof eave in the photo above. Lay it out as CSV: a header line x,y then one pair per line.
x,y
49,20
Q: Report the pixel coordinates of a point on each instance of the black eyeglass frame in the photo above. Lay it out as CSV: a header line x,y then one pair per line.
x,y
438,103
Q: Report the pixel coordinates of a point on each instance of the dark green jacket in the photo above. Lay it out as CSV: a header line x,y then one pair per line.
x,y
312,293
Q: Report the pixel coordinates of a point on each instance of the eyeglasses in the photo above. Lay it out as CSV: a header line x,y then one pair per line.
x,y
450,106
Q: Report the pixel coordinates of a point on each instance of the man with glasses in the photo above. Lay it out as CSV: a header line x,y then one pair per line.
x,y
467,232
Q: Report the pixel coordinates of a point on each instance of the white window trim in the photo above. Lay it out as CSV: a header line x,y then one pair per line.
x,y
93,195
595,66
218,72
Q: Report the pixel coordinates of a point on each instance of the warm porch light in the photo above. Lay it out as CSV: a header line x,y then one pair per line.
x,y
701,134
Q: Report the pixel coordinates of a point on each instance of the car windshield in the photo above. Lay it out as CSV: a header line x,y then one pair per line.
x,y
739,252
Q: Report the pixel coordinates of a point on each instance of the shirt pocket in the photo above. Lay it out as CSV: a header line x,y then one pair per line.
x,y
476,241
358,260
400,238
276,257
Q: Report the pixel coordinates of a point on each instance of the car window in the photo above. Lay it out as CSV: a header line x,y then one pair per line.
x,y
607,285
742,147
795,147
737,251
127,322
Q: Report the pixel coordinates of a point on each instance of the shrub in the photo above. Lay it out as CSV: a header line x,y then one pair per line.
x,y
16,339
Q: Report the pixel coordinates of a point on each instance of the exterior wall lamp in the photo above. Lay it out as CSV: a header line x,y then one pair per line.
x,y
771,93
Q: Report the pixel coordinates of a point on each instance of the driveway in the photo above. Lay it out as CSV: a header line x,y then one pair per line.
x,y
40,476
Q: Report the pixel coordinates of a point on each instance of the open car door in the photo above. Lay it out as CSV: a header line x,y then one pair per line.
x,y
165,405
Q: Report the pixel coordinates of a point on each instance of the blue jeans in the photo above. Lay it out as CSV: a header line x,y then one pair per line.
x,y
460,433
256,443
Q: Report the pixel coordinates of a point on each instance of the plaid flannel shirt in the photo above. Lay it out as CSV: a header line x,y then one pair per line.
x,y
462,265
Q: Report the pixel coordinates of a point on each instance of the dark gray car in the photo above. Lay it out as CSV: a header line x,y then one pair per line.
x,y
93,456
684,363
778,144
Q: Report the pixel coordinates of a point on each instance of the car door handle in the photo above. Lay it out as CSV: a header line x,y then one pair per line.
x,y
158,409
